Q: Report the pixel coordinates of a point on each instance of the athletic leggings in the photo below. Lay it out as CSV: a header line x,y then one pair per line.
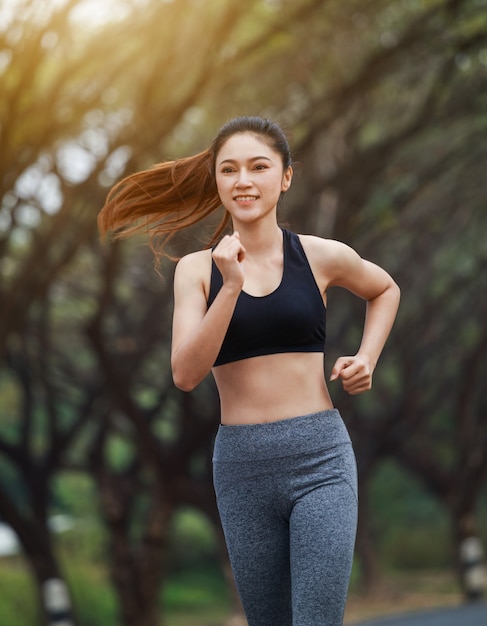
x,y
287,496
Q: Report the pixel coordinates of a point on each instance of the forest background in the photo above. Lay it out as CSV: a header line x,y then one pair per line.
x,y
385,103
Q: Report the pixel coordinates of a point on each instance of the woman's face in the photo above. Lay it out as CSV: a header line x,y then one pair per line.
x,y
250,176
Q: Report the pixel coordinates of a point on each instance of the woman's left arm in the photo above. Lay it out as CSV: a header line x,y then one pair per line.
x,y
340,265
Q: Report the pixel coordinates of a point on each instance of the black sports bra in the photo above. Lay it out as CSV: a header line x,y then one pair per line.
x,y
292,318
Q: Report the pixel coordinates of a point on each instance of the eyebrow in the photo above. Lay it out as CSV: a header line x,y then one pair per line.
x,y
257,158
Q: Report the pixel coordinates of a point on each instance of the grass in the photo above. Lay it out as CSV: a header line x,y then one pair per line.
x,y
19,601
397,592
200,597
196,598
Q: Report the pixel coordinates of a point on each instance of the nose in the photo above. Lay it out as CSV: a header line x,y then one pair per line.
x,y
243,179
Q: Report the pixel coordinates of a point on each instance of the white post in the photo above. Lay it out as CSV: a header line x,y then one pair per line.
x,y
474,572
57,602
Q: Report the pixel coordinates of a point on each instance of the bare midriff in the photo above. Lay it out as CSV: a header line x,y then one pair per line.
x,y
272,387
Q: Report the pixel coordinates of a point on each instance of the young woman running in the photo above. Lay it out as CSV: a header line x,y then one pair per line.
x,y
252,310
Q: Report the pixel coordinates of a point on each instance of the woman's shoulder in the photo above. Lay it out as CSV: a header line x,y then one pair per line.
x,y
329,259
323,247
195,265
195,259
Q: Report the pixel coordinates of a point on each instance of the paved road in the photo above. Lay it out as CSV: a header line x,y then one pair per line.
x,y
471,615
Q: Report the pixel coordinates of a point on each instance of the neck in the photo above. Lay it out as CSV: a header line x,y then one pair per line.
x,y
260,238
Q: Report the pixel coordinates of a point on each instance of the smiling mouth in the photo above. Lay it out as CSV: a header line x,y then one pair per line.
x,y
245,198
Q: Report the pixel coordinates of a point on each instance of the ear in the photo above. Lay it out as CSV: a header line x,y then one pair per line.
x,y
286,179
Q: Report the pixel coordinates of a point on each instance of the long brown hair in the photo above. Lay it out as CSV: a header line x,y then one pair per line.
x,y
176,194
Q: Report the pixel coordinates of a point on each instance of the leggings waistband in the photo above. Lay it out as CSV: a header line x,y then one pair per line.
x,y
287,437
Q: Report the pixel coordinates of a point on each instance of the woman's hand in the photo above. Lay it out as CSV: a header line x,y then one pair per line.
x,y
355,373
228,256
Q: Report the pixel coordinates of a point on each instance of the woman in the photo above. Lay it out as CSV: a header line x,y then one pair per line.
x,y
252,310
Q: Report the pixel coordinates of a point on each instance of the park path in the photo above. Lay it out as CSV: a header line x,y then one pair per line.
x,y
468,615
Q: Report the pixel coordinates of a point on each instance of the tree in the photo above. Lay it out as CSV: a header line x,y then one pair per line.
x,y
402,179
384,104
68,130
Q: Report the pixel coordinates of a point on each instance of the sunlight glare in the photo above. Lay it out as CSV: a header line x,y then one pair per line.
x,y
91,12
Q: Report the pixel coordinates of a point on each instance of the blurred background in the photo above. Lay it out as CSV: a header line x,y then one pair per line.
x,y
106,502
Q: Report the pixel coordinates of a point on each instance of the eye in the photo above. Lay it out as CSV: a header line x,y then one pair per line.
x,y
260,166
227,170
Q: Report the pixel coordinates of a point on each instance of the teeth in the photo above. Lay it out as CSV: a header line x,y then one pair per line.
x,y
241,198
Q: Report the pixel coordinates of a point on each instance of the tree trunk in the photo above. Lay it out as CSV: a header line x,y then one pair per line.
x,y
137,559
54,597
35,539
365,546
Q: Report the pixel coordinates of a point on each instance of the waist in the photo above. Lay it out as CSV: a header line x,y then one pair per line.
x,y
272,387
296,435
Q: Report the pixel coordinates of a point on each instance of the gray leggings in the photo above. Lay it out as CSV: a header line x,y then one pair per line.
x,y
287,496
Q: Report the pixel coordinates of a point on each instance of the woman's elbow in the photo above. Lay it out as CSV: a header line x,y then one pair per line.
x,y
183,377
183,381
183,385
396,291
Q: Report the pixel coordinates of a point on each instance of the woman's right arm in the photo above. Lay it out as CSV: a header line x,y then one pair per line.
x,y
198,332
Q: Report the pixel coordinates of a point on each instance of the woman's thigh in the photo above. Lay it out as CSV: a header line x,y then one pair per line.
x,y
322,536
257,540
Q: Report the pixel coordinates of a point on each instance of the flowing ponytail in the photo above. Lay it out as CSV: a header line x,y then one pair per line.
x,y
163,201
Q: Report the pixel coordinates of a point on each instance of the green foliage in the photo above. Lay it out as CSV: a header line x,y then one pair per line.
x,y
93,596
19,602
192,543
425,547
196,590
410,528
75,495
195,586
